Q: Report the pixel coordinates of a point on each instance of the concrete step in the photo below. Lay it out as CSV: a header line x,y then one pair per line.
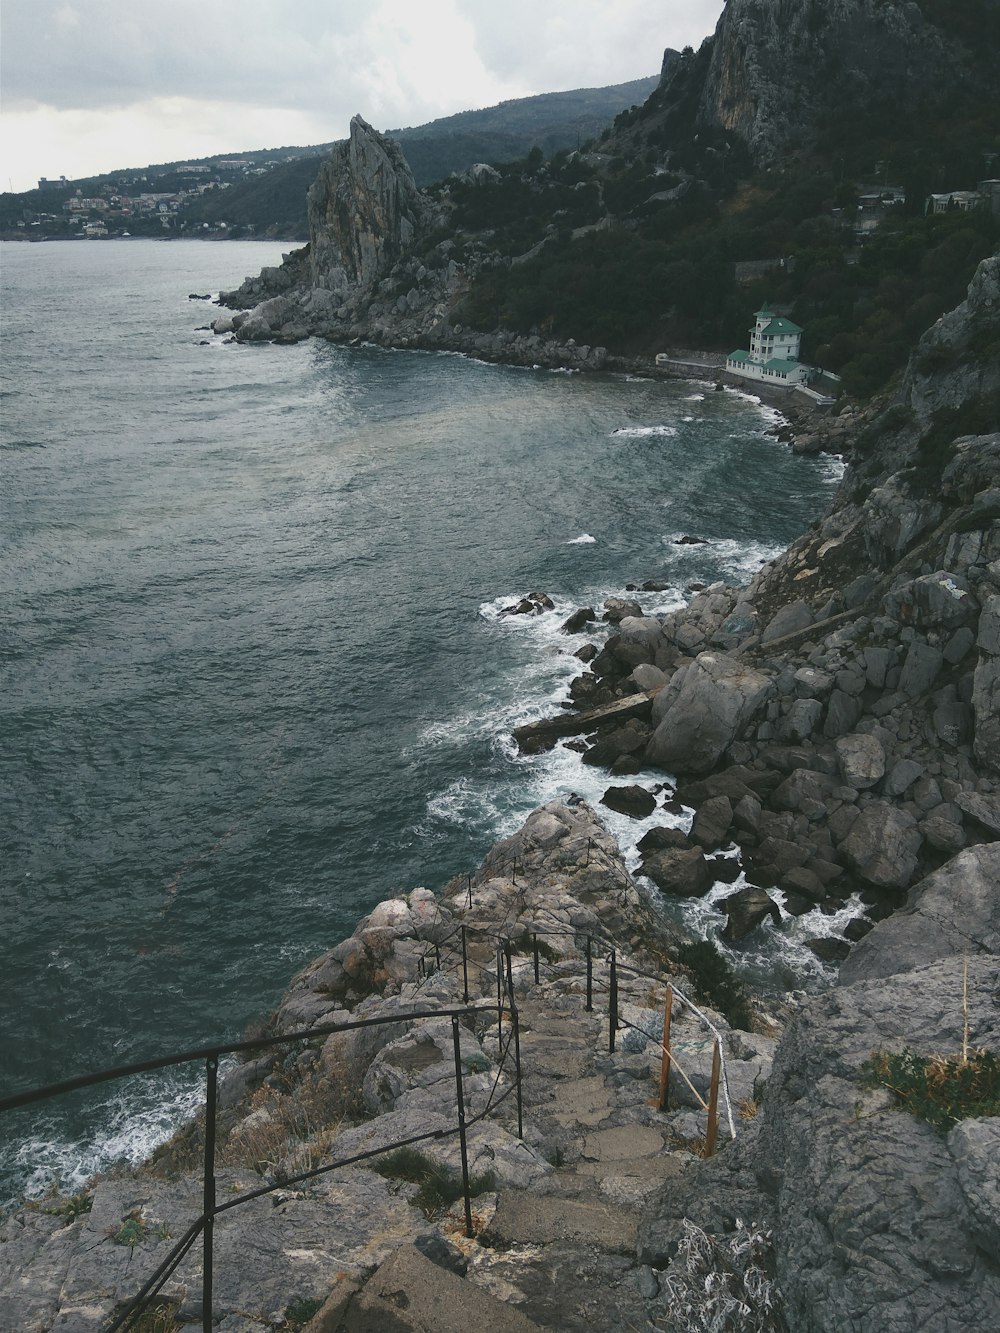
x,y
530,1219
409,1294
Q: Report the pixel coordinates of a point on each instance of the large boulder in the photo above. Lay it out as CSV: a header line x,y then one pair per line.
x,y
745,910
718,698
364,211
942,600
679,871
882,846
952,912
862,760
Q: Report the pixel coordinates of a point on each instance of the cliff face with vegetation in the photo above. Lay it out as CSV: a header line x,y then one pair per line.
x,y
777,69
756,148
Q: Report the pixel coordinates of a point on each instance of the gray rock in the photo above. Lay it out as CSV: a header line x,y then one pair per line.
x,y
745,911
882,846
674,870
988,638
975,1148
944,835
861,759
805,882
986,686
812,684
711,823
718,697
649,677
842,714
793,617
877,662
953,723
633,800
959,645
578,620
942,600
746,814
804,792
801,720
920,668
775,857
902,775
954,911
983,811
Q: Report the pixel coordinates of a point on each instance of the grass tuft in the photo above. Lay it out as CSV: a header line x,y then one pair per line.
x,y
439,1186
940,1090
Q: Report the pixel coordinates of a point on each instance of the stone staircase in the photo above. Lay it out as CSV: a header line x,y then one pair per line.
x,y
560,1253
557,1235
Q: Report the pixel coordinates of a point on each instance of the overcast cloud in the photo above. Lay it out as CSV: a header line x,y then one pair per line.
x,y
93,85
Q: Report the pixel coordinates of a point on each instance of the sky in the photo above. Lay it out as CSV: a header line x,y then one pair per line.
x,y
91,86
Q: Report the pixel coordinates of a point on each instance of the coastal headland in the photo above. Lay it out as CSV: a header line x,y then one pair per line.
x,y
833,728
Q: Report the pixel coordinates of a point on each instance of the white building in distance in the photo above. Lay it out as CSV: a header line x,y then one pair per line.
x,y
774,352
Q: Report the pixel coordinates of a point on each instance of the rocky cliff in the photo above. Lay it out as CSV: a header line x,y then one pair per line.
x,y
778,66
371,271
838,716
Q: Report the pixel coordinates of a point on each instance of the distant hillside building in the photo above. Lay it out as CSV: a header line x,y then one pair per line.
x,y
774,352
963,200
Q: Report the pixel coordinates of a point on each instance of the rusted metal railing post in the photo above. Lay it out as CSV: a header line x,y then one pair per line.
x,y
590,976
460,1098
613,1004
513,871
437,956
713,1101
465,970
470,892
516,1027
534,945
664,1096
499,966
510,971
208,1196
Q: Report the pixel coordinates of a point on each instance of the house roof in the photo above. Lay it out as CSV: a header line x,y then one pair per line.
x,y
765,310
739,355
781,366
779,325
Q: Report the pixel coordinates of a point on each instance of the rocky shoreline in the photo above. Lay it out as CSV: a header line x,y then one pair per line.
x,y
835,727
836,722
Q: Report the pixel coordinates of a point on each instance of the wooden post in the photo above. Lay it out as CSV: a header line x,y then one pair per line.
x,y
664,1096
713,1101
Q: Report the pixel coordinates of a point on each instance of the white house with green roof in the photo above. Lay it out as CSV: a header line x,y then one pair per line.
x,y
774,352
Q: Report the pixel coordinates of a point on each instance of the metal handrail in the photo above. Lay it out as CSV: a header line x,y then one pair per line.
x,y
203,1225
505,1003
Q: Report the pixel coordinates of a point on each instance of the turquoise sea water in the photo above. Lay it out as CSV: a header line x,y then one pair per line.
x,y
255,678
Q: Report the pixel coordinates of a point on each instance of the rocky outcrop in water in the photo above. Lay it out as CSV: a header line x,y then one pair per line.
x,y
370,272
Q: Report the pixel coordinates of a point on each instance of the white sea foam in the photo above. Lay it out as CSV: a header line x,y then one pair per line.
x,y
644,432
133,1124
694,398
741,560
833,466
584,539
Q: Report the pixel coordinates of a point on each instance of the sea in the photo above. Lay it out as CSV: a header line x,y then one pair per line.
x,y
257,674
